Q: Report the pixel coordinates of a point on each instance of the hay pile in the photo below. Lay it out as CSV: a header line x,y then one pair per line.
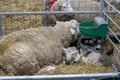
x,y
82,68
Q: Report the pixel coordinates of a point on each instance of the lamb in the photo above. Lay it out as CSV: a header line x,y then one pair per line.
x,y
25,52
77,5
90,54
72,55
93,57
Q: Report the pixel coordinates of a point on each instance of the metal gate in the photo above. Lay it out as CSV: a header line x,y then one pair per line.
x,y
15,19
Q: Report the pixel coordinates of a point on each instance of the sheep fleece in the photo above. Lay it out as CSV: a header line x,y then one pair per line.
x,y
26,51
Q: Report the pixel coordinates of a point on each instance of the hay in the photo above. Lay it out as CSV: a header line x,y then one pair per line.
x,y
82,68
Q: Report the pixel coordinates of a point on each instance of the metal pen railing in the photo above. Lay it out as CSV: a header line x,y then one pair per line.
x,y
104,13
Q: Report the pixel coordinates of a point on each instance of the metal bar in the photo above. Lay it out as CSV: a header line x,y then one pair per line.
x,y
0,26
113,45
46,8
46,5
114,35
102,7
116,59
114,67
112,6
61,77
111,20
49,12
54,12
108,17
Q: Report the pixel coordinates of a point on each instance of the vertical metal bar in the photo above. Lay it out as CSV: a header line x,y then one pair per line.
x,y
102,7
46,8
0,26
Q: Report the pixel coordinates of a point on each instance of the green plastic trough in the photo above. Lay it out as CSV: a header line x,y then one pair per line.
x,y
87,28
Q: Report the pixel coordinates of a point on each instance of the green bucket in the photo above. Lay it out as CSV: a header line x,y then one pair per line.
x,y
87,28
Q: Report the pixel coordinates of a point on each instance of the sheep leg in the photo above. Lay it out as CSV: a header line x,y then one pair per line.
x,y
46,69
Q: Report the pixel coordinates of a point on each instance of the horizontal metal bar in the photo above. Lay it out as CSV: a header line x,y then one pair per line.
x,y
61,77
49,12
54,12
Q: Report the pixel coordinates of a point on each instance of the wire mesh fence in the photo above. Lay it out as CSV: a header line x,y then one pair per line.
x,y
12,23
21,5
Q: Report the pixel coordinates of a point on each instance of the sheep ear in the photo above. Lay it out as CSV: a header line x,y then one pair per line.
x,y
74,25
72,31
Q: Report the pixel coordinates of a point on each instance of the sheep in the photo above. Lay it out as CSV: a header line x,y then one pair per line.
x,y
77,5
90,54
25,52
71,55
93,57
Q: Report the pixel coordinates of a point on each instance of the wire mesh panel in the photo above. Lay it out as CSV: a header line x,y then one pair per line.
x,y
12,23
75,5
21,5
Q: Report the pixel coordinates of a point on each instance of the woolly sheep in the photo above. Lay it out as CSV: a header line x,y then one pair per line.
x,y
77,5
25,52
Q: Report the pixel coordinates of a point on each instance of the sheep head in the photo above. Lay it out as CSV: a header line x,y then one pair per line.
x,y
72,25
68,29
63,5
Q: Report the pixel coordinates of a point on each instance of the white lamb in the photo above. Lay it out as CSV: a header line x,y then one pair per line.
x,y
90,54
93,58
71,55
